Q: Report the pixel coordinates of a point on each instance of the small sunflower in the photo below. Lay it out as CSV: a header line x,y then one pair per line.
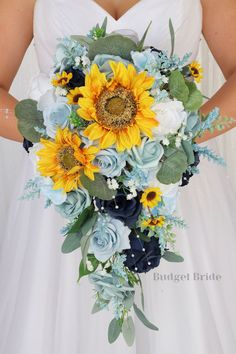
x,y
120,107
154,222
63,160
196,71
62,79
151,197
73,96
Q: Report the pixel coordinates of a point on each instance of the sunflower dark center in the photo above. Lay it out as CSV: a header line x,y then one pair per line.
x,y
67,159
76,98
151,196
116,109
195,71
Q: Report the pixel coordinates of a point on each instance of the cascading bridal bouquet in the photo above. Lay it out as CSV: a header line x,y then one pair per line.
x,y
114,139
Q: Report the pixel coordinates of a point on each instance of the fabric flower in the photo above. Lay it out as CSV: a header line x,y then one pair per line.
x,y
106,286
170,116
74,204
142,256
170,194
110,163
147,155
102,61
56,116
108,237
122,209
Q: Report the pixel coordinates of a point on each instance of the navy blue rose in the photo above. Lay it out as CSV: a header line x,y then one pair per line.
x,y
122,209
142,256
78,78
27,144
187,174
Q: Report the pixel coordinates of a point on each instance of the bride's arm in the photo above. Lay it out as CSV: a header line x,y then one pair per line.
x,y
16,31
219,30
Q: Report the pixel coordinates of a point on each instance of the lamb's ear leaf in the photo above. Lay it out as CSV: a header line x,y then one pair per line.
x,y
114,330
141,42
172,36
143,319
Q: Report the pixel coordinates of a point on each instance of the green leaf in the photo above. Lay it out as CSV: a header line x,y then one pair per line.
x,y
142,292
141,42
104,25
172,36
84,216
83,270
96,308
173,257
71,243
177,86
114,45
84,243
195,99
29,118
188,149
128,330
97,188
128,302
142,236
114,330
173,167
143,318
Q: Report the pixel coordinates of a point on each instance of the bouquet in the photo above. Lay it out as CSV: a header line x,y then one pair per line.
x,y
112,142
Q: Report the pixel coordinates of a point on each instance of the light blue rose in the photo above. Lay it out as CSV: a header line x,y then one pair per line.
x,y
74,204
108,237
56,116
146,156
110,162
102,60
57,196
109,286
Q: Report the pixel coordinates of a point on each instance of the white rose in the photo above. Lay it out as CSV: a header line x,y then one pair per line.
x,y
170,115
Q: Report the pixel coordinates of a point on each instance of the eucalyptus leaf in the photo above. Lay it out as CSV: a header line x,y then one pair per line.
x,y
84,216
71,242
177,86
188,149
113,45
142,292
195,99
128,330
143,318
114,330
29,118
173,257
173,167
172,36
97,188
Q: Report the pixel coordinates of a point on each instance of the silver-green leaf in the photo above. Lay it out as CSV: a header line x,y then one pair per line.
x,y
114,330
128,331
173,257
143,319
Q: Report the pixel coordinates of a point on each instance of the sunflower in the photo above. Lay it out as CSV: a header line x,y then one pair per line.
x,y
73,96
120,107
62,79
154,222
196,71
63,160
151,197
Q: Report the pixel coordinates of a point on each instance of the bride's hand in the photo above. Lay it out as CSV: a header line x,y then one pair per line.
x,y
219,30
16,32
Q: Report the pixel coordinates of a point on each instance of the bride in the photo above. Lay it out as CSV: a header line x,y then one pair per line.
x,y
42,309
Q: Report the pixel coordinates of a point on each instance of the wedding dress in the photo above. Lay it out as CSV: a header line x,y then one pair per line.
x,y
42,309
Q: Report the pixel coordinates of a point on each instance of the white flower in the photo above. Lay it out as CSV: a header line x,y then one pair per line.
x,y
170,116
112,184
77,61
85,60
59,91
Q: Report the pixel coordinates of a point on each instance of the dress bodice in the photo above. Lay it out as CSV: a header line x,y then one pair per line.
x,y
55,19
